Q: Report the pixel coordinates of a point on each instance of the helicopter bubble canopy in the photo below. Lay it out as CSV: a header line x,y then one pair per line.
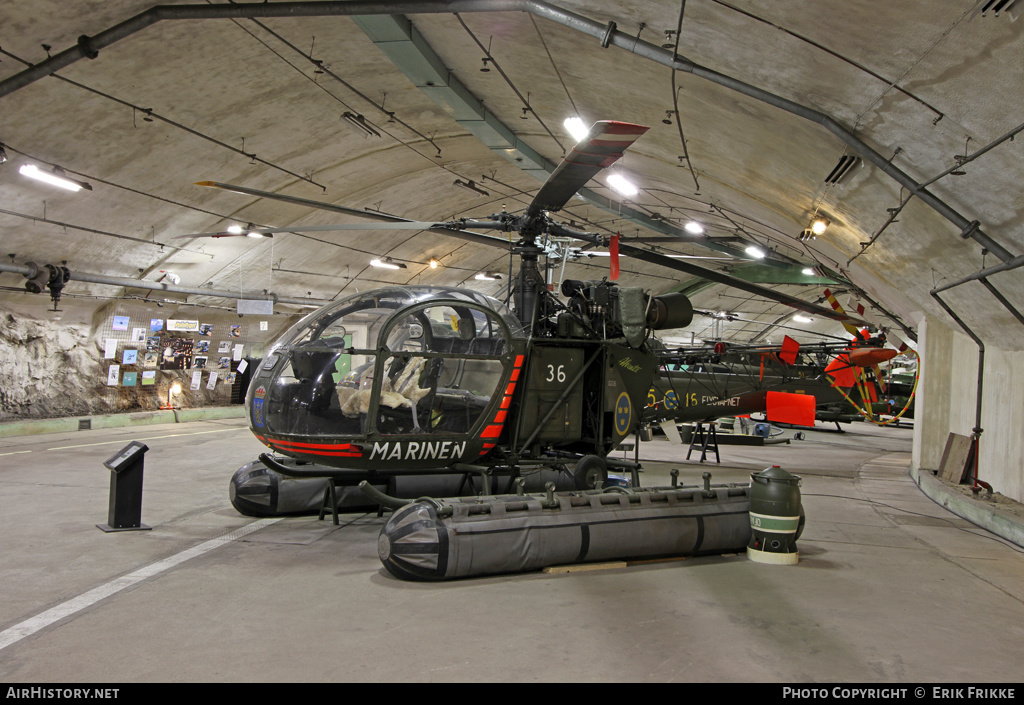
x,y
396,361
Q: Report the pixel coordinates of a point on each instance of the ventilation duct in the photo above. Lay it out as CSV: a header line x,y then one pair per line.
x,y
843,170
997,7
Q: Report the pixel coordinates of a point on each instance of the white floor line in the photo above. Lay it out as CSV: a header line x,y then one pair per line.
x,y
76,604
151,438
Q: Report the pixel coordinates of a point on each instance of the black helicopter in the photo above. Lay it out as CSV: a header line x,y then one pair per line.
x,y
418,380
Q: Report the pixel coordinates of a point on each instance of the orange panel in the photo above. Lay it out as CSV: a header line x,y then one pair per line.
x,y
796,409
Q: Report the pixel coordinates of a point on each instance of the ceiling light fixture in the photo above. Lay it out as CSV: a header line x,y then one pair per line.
x,y
434,264
755,252
386,263
819,224
576,128
799,318
360,122
809,272
470,186
56,177
488,276
694,227
235,229
622,185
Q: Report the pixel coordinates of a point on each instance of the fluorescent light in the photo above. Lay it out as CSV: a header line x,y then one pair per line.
x,y
755,251
488,276
808,271
622,185
236,229
802,319
576,128
54,178
694,227
386,263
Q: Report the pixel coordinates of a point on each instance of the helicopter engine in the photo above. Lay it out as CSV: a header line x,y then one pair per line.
x,y
613,311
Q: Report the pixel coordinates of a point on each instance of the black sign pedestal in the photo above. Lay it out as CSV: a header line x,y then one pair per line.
x,y
125,513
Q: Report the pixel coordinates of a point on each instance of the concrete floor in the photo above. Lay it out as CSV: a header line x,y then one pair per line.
x,y
891,587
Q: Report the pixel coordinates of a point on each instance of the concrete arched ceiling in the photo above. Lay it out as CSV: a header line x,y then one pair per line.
x,y
243,101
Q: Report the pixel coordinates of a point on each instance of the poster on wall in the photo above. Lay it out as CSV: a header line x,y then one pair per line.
x,y
203,346
113,372
120,323
197,378
148,377
224,363
109,348
206,329
225,346
236,331
156,325
151,359
230,379
130,357
241,366
153,343
177,354
237,355
199,362
129,379
138,335
182,326
213,381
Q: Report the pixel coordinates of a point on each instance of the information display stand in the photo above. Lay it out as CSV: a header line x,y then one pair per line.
x,y
125,512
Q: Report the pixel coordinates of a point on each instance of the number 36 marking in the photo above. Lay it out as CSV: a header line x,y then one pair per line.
x,y
555,374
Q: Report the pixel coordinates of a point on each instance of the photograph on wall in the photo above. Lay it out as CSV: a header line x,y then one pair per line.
x,y
213,381
130,357
138,335
230,379
203,346
151,358
199,362
236,354
156,325
120,323
236,331
148,377
177,354
206,329
113,372
197,378
153,343
225,346
224,363
109,348
130,379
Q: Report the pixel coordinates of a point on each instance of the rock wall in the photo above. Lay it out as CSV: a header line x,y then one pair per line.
x,y
53,368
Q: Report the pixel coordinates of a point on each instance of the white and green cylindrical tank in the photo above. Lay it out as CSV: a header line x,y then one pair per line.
x,y
776,517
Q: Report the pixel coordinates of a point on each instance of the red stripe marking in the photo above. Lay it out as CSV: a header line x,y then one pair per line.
x,y
491,431
500,417
515,375
510,388
505,402
519,361
329,446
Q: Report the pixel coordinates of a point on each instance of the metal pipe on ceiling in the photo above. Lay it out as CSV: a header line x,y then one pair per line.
x,y
129,283
608,35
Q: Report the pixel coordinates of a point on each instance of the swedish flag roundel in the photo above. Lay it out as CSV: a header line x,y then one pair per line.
x,y
623,414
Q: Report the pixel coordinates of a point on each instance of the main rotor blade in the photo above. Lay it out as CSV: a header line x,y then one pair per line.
x,y
411,225
749,287
602,147
373,215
